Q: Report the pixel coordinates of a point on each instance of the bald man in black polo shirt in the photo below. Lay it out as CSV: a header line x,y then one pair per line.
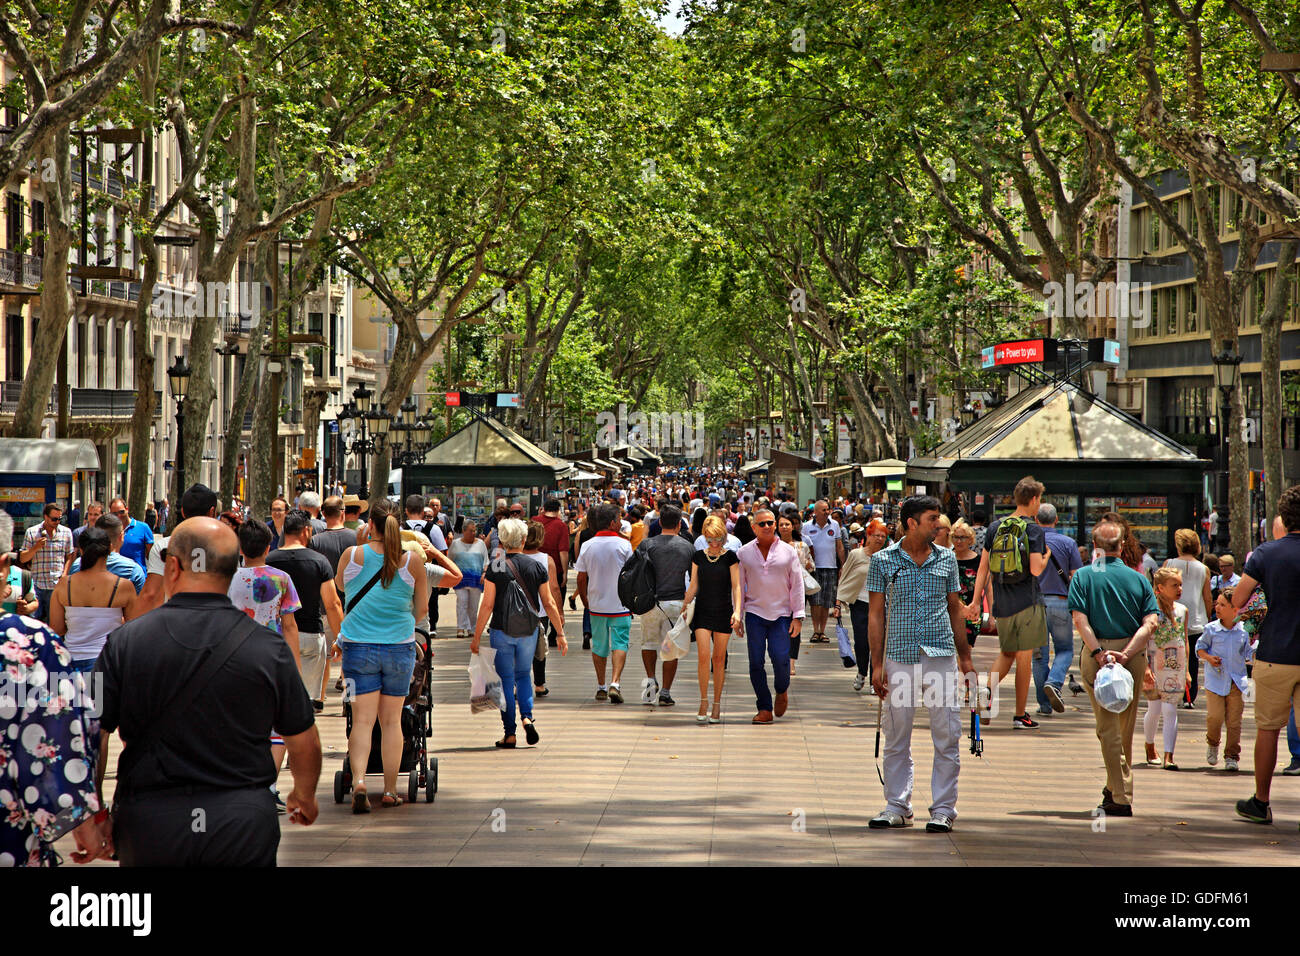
x,y
194,775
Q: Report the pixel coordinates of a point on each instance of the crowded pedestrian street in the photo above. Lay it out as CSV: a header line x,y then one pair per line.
x,y
642,786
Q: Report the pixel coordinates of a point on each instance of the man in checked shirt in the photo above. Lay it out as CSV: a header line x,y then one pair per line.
x,y
922,653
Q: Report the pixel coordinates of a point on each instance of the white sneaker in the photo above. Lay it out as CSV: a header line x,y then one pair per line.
x,y
649,691
858,681
1211,755
1230,765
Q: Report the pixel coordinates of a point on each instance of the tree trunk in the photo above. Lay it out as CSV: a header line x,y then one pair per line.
x,y
56,307
1270,369
813,425
233,438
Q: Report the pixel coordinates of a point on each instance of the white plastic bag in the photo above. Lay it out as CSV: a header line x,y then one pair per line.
x,y
485,692
810,583
677,642
1113,688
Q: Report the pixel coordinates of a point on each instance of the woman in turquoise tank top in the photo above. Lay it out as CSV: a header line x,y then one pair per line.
x,y
381,584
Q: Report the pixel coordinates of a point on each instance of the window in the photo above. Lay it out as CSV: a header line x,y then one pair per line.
x,y
82,349
119,356
1153,231
13,220
101,353
333,346
1191,321
14,368
1169,310
38,228
316,326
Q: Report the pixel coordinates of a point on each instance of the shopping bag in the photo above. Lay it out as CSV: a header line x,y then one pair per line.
x,y
677,642
485,692
810,583
846,645
1113,688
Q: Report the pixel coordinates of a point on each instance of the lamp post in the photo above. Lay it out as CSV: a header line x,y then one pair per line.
x,y
1227,375
178,376
362,445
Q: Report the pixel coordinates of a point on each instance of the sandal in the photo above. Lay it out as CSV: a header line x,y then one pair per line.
x,y
360,802
530,732
507,743
390,799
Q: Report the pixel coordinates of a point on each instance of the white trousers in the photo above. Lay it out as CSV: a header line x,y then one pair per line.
x,y
1156,708
467,608
930,683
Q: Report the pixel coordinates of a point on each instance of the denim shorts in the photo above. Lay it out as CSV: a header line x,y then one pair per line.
x,y
385,668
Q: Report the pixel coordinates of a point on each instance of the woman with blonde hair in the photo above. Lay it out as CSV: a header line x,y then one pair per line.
x,y
715,588
381,582
1166,675
514,652
1199,601
944,530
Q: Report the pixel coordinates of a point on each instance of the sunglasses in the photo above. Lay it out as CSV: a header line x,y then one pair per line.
x,y
764,524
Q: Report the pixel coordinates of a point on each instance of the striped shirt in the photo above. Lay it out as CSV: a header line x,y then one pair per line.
x,y
916,603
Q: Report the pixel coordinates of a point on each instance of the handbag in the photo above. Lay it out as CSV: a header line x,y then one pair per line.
x,y
810,583
677,642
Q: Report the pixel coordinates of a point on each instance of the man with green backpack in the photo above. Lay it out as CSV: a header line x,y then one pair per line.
x,y
1014,555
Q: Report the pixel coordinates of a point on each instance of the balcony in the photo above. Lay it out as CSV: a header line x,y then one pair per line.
x,y
19,268
102,404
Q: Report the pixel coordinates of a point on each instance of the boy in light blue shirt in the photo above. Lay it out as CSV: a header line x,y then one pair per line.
x,y
1225,647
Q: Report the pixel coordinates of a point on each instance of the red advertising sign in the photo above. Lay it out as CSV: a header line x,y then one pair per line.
x,y
1014,353
453,399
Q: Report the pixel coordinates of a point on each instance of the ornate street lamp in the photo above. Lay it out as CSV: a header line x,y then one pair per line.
x,y
1227,376
178,376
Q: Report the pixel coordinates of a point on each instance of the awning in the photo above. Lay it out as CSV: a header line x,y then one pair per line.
x,y
606,465
885,468
758,464
832,472
580,475
47,456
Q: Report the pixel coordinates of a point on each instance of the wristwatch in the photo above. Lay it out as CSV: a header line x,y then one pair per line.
x,y
1099,650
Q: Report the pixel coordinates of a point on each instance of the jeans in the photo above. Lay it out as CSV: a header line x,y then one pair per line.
x,y
1293,737
43,604
768,638
859,612
514,662
1193,666
1060,628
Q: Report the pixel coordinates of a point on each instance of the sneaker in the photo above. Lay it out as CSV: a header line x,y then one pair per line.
x,y
318,705
1112,809
1231,765
665,700
890,820
1054,698
602,694
858,682
1024,722
1294,769
1254,811
1211,755
1045,712
615,695
939,823
649,688
279,803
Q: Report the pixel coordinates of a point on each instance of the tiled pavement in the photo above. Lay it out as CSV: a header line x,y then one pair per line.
x,y
631,784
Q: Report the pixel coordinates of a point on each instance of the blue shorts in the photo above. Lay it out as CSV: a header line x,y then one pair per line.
x,y
385,668
610,633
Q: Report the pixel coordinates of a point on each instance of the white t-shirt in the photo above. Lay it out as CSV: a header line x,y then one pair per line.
x,y
821,541
153,564
1214,523
436,537
602,558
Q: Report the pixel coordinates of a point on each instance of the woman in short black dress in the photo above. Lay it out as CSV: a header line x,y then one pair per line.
x,y
715,588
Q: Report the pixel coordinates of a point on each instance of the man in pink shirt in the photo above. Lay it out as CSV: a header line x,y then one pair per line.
x,y
771,587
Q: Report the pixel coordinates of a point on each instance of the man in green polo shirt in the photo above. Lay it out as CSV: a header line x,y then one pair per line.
x,y
1115,612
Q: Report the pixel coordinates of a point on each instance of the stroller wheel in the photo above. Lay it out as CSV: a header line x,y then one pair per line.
x,y
431,785
340,787
412,786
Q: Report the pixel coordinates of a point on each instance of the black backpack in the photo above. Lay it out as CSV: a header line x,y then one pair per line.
x,y
636,583
521,617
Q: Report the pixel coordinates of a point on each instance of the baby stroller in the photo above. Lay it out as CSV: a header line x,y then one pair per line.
x,y
417,728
